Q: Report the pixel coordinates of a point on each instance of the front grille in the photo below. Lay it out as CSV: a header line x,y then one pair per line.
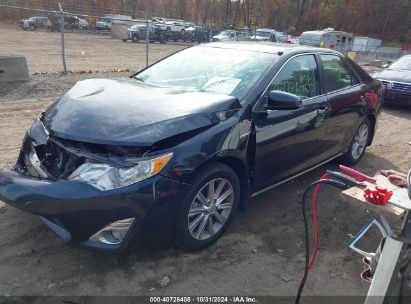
x,y
57,161
58,158
397,86
46,161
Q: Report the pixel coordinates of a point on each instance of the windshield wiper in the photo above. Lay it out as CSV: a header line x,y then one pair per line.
x,y
139,79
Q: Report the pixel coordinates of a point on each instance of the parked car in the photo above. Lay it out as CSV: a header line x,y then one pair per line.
x,y
197,34
175,29
245,34
138,32
281,37
71,22
83,24
264,35
226,35
174,150
397,81
104,24
34,23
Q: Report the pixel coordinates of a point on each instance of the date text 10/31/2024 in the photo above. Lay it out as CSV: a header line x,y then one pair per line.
x,y
205,299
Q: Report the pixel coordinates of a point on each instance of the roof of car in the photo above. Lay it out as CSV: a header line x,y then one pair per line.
x,y
266,30
267,47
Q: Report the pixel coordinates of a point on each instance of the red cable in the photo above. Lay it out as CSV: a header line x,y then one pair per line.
x,y
316,189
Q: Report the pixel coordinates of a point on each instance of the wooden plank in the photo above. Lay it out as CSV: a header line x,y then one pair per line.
x,y
396,206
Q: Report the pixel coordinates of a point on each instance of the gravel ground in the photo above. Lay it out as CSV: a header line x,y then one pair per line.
x,y
84,51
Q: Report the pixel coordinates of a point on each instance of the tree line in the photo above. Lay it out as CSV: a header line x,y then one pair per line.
x,y
389,20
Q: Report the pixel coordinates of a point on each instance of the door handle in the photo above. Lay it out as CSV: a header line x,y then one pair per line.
x,y
322,110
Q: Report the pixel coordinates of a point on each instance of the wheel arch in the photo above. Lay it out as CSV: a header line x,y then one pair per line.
x,y
373,123
239,166
243,174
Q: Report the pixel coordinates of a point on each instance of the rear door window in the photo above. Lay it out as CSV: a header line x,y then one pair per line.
x,y
337,75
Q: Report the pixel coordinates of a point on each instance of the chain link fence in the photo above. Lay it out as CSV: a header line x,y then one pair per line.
x,y
383,54
61,41
58,41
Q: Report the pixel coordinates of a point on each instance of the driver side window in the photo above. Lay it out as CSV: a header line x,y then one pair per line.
x,y
298,76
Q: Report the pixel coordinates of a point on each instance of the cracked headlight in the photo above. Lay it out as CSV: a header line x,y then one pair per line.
x,y
107,177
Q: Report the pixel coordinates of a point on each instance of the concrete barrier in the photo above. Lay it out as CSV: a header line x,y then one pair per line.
x,y
376,63
13,68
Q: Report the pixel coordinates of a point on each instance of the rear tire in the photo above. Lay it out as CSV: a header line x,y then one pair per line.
x,y
135,38
208,208
358,144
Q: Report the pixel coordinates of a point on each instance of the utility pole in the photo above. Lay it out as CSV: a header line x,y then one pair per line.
x,y
63,51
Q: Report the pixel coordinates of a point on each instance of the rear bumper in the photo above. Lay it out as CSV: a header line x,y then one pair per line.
x,y
76,211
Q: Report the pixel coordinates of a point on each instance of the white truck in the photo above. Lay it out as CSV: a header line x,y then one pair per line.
x,y
108,19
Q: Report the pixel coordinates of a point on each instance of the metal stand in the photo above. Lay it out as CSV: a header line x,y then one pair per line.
x,y
386,274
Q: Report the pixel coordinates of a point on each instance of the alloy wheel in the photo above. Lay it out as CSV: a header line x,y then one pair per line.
x,y
360,141
210,209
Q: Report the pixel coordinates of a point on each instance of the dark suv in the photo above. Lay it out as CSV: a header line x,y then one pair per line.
x,y
138,32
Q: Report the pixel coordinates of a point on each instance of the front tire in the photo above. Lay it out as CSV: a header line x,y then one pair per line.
x,y
358,144
208,207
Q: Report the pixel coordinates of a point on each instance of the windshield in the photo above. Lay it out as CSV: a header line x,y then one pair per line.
x,y
208,69
403,63
263,34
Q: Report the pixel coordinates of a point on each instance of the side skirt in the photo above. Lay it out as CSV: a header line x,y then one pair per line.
x,y
294,176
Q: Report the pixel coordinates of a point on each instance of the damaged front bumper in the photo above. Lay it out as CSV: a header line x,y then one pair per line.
x,y
76,211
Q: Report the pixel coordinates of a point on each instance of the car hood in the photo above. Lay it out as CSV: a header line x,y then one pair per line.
x,y
395,75
131,113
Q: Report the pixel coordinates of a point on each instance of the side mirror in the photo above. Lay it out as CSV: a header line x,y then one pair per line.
x,y
385,65
279,100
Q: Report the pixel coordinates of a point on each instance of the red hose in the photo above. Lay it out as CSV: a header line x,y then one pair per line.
x,y
316,189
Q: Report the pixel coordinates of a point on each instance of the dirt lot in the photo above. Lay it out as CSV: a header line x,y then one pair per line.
x,y
260,254
83,51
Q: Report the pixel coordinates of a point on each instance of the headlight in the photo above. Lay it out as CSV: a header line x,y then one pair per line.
x,y
107,177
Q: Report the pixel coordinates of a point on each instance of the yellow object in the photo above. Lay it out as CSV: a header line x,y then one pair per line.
x,y
351,55
160,162
321,43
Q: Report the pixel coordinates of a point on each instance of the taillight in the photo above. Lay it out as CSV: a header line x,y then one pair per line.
x,y
372,98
